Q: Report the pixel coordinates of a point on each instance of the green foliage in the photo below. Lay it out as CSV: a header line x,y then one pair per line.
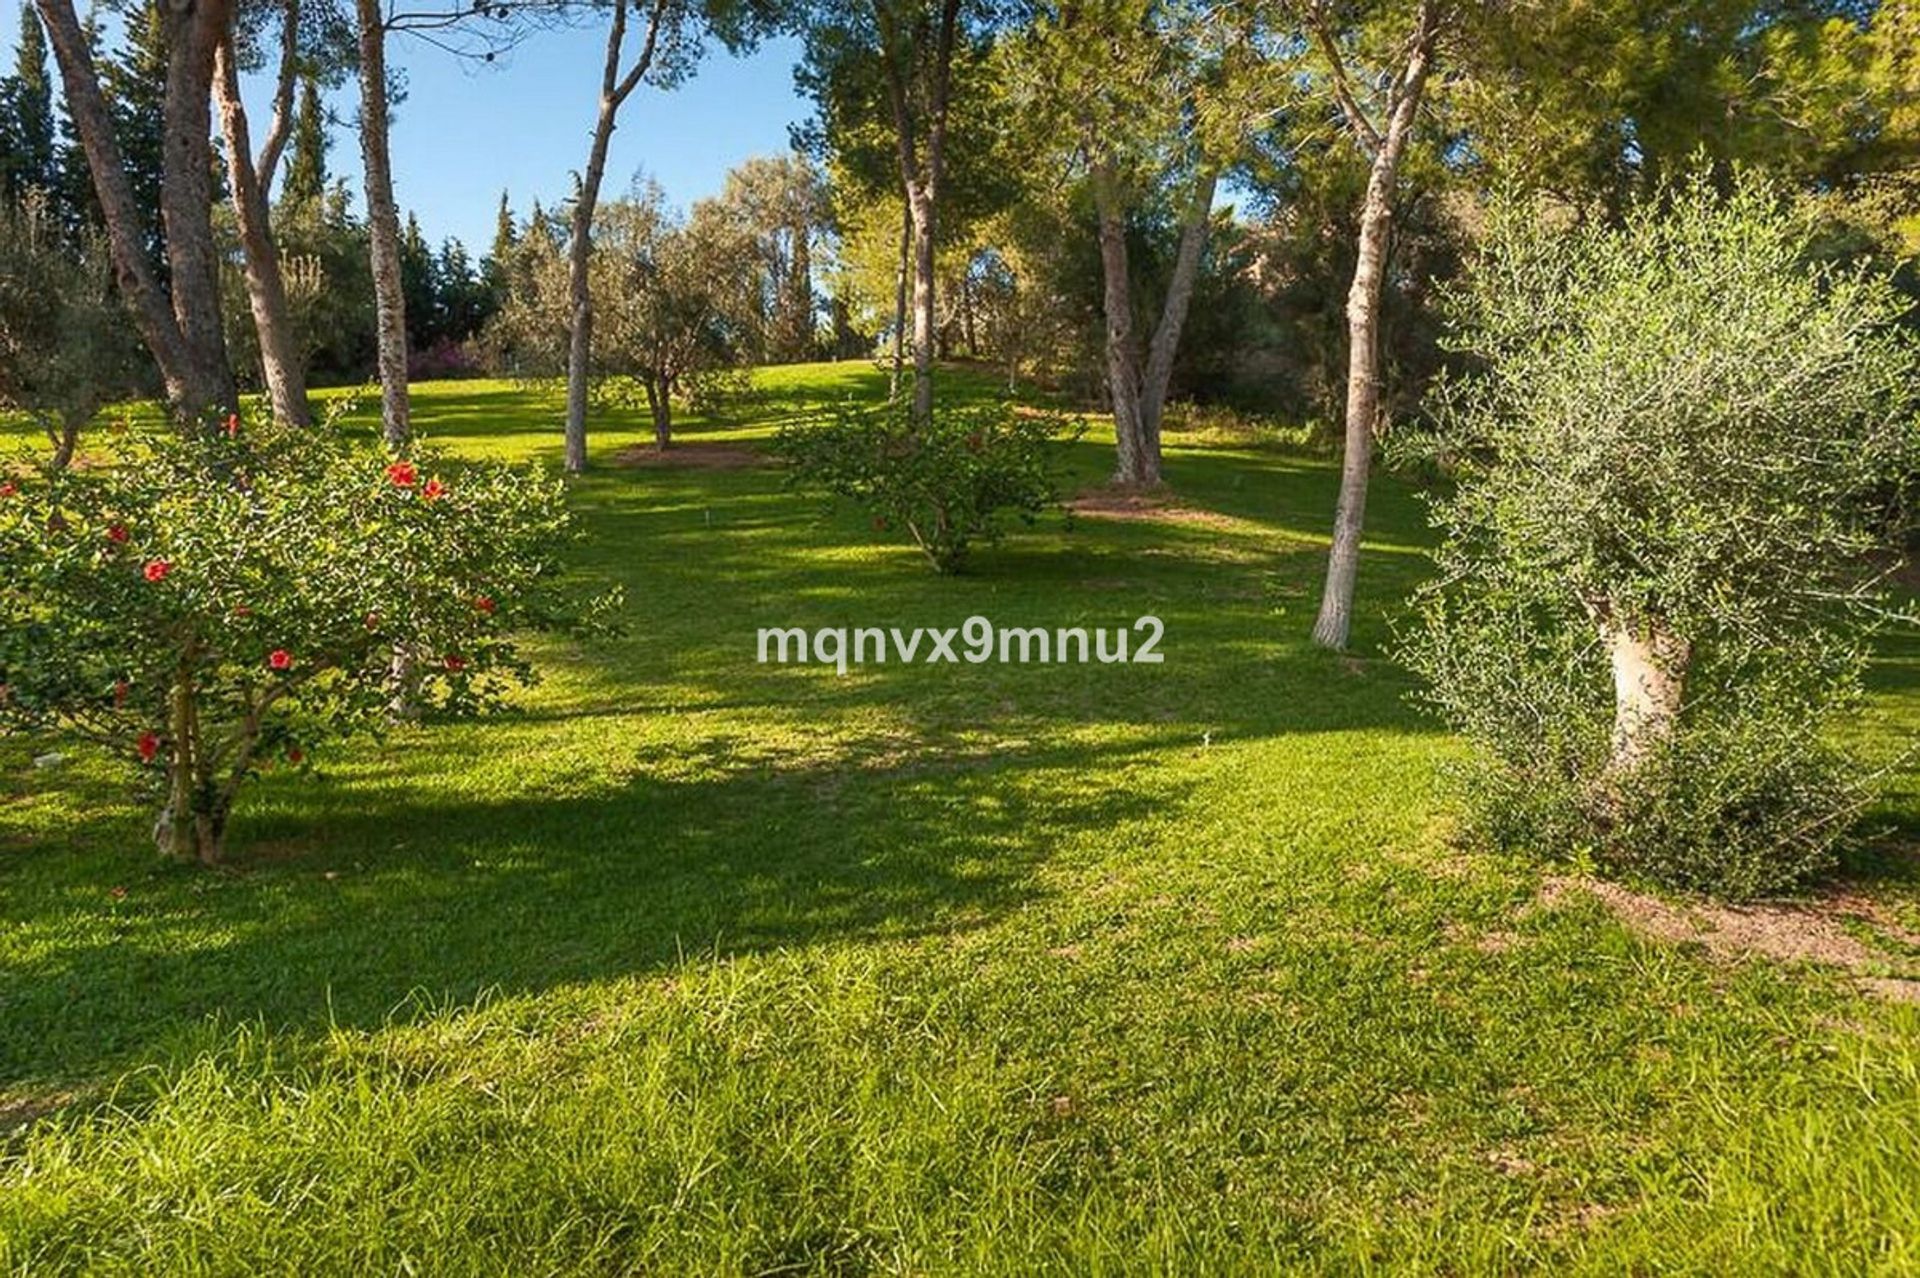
x,y
1680,440
211,605
66,348
947,482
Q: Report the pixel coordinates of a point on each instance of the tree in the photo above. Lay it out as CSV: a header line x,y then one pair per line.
x,y
65,350
204,630
383,222
1123,87
306,181
180,324
29,157
780,203
249,181
1674,469
1383,133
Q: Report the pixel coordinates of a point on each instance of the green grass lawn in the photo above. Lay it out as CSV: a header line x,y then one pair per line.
x,y
697,965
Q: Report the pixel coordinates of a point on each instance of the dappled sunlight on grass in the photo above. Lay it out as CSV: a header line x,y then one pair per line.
x,y
692,963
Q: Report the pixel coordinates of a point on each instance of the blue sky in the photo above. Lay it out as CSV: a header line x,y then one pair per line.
x,y
467,131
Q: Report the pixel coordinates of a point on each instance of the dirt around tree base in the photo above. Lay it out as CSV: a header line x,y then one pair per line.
x,y
1817,931
692,456
1152,504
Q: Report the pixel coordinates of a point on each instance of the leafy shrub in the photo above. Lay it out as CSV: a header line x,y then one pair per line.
x,y
947,482
1657,581
210,606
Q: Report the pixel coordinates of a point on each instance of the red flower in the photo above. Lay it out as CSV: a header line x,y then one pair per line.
x,y
117,893
9,488
295,756
371,621
434,490
148,746
117,534
120,694
483,603
233,425
455,662
402,474
241,610
157,569
280,659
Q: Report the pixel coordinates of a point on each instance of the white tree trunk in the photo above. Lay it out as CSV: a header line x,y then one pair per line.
x,y
1649,681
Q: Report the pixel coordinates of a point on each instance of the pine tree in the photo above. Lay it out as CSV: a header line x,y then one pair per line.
x,y
306,180
496,269
420,285
135,82
29,159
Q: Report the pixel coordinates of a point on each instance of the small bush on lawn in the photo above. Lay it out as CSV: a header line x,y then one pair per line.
x,y
1657,580
948,482
216,604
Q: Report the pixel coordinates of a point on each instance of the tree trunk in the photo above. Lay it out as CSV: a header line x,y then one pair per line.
x,y
280,363
1173,311
900,301
579,290
195,30
66,439
660,400
1334,624
1138,458
194,386
614,90
383,226
800,293
1649,679
923,304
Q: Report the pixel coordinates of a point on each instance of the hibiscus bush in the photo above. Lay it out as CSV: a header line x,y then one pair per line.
x,y
948,482
216,604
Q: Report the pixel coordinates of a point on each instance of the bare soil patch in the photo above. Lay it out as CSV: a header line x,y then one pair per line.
x,y
693,456
1811,932
1144,504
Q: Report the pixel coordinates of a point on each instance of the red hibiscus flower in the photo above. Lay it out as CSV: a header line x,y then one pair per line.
x,y
484,603
296,756
280,659
233,425
118,534
157,569
434,490
455,662
9,488
148,746
403,474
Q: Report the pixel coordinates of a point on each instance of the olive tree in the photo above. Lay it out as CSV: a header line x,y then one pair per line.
x,y
1675,458
66,348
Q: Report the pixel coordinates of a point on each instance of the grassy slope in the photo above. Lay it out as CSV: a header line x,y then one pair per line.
x,y
699,965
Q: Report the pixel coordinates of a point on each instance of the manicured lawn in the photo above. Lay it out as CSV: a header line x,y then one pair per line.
x,y
701,965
